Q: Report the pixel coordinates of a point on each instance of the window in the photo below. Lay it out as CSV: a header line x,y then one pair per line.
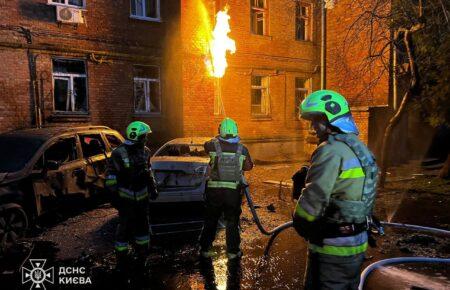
x,y
76,3
147,91
303,21
259,17
114,142
183,150
302,89
146,9
70,86
62,151
260,96
89,145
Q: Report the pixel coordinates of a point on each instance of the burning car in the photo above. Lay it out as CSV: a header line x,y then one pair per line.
x,y
38,166
180,167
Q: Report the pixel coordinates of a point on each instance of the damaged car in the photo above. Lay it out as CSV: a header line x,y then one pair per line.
x,y
39,166
180,167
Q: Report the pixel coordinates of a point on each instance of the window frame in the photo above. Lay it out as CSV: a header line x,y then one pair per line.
x,y
70,77
146,18
147,81
102,140
309,27
52,143
261,87
265,13
66,4
218,100
307,88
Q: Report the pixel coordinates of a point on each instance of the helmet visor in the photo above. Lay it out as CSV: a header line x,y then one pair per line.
x,y
346,124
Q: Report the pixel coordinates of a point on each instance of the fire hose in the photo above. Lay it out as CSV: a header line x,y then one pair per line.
x,y
365,274
400,260
257,221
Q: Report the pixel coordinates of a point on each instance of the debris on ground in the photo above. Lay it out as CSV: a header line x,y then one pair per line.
x,y
271,207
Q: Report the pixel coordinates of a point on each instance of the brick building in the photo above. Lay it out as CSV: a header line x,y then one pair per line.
x,y
110,69
144,59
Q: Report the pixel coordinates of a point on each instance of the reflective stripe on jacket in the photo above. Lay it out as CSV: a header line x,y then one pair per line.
x,y
334,184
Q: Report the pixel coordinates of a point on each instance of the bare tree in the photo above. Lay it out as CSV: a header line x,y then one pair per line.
x,y
383,26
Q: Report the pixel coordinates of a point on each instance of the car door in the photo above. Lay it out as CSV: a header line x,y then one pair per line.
x,y
95,156
60,170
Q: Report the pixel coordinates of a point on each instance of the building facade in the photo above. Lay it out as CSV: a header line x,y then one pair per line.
x,y
274,67
68,62
105,64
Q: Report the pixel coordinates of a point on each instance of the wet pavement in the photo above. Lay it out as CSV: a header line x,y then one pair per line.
x,y
84,238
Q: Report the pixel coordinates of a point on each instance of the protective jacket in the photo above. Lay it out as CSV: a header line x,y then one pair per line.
x,y
339,193
129,175
227,163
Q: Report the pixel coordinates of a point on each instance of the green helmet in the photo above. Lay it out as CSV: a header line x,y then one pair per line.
x,y
228,128
333,106
137,129
324,102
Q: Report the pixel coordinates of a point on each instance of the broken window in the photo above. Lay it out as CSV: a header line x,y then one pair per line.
x,y
260,96
302,89
114,142
78,3
259,17
89,145
147,91
70,86
146,9
303,21
184,150
62,151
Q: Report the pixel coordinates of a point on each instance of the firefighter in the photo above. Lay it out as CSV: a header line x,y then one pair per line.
x,y
131,183
229,158
335,207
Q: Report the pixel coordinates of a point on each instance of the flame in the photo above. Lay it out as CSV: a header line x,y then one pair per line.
x,y
219,44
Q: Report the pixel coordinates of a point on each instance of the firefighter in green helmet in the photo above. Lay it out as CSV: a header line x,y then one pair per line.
x,y
335,207
229,158
131,183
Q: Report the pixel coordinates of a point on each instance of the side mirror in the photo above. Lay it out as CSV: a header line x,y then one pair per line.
x,y
52,165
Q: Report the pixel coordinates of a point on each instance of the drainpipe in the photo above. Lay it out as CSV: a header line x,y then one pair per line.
x,y
34,89
323,54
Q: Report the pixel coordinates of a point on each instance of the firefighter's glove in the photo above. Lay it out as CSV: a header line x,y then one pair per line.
x,y
299,179
302,226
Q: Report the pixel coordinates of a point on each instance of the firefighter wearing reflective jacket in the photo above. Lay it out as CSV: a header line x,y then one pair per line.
x,y
131,183
229,158
336,204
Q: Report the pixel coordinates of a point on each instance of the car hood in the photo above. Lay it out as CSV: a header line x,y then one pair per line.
x,y
188,159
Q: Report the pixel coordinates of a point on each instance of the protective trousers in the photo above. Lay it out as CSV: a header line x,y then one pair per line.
x,y
228,202
327,272
133,223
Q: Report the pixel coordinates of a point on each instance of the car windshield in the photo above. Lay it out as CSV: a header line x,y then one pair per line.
x,y
16,151
184,150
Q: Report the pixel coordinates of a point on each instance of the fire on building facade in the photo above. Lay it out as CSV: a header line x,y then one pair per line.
x,y
68,62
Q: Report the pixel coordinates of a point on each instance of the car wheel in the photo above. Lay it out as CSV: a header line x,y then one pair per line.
x,y
13,225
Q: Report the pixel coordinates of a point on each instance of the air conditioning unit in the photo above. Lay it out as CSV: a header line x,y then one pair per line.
x,y
69,14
